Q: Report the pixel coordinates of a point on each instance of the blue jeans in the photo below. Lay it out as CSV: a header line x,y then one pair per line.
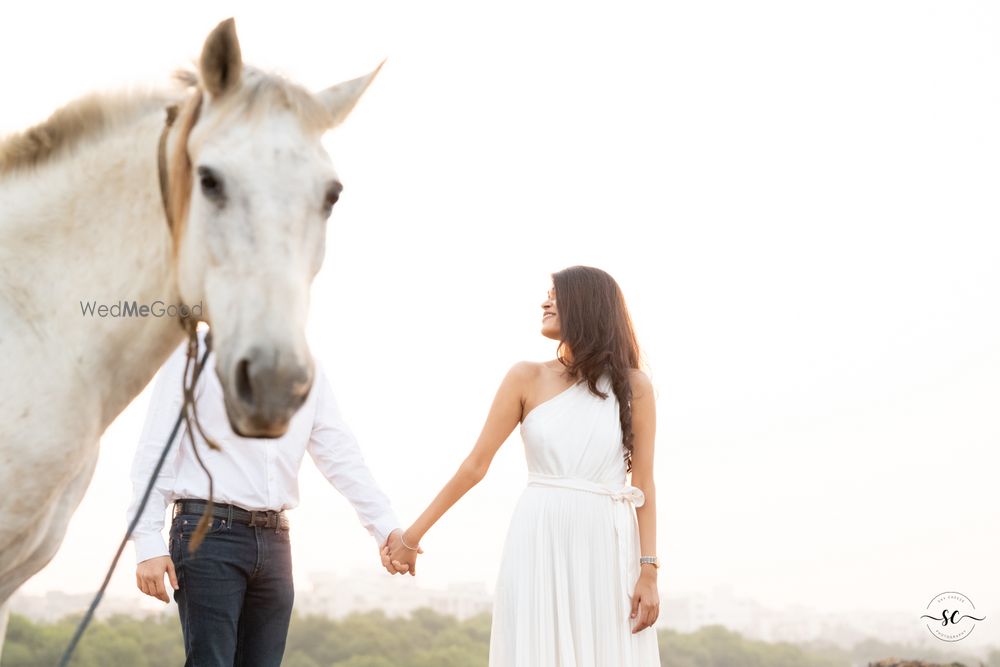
x,y
234,593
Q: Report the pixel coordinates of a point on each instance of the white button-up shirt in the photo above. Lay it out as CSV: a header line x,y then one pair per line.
x,y
253,473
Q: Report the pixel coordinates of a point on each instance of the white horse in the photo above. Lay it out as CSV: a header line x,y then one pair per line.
x,y
248,187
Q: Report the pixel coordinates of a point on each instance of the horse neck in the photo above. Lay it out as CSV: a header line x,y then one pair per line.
x,y
91,228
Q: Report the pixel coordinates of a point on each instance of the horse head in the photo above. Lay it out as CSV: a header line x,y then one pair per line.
x,y
249,190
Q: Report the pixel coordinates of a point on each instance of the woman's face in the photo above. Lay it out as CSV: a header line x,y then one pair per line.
x,y
550,316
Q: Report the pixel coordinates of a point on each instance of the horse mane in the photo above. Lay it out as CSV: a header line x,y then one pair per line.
x,y
96,114
89,117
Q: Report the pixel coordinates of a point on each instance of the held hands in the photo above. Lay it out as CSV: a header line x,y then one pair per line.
x,y
399,559
645,600
149,577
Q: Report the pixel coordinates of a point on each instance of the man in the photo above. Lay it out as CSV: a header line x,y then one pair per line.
x,y
234,594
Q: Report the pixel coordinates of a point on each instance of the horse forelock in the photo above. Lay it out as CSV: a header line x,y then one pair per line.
x,y
261,94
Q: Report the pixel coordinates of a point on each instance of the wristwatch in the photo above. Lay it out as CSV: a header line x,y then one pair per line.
x,y
652,560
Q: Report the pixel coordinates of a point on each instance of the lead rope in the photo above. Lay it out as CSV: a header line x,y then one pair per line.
x,y
190,408
188,413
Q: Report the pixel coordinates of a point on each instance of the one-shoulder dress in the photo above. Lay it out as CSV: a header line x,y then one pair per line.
x,y
571,556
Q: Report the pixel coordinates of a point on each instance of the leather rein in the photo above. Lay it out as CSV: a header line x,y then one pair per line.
x,y
189,410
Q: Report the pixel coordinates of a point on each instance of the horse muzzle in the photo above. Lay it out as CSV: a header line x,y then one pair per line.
x,y
263,390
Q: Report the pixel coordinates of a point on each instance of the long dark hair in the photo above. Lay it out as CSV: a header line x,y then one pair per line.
x,y
595,325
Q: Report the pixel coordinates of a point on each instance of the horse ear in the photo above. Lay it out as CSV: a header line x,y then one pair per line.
x,y
340,99
221,61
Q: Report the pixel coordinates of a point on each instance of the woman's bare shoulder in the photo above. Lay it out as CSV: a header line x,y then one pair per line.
x,y
641,384
525,371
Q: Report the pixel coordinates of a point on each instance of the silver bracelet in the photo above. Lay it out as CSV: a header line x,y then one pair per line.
x,y
651,560
404,542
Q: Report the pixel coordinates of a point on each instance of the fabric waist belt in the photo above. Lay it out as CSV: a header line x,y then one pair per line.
x,y
261,518
627,493
626,529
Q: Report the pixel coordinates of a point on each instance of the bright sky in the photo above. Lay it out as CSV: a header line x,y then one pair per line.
x,y
798,200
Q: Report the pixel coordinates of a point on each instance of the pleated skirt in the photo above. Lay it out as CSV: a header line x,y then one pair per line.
x,y
563,596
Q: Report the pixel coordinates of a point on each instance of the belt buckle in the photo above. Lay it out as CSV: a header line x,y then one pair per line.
x,y
269,518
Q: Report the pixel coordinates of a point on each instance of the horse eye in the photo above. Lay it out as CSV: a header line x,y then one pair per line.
x,y
211,184
332,195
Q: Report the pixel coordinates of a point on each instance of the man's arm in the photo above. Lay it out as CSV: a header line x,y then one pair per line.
x,y
164,406
335,451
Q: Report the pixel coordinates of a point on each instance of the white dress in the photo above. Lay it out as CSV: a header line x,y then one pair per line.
x,y
571,556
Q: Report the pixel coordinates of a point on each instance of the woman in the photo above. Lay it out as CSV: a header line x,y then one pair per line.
x,y
571,589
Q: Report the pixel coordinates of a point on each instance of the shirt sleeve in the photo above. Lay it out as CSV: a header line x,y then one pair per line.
x,y
164,406
335,451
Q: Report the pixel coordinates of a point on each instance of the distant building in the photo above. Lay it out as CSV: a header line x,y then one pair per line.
x,y
796,624
336,596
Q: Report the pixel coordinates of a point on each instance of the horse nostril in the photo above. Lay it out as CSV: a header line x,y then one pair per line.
x,y
243,387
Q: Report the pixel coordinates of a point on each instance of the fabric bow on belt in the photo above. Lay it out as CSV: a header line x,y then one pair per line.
x,y
626,498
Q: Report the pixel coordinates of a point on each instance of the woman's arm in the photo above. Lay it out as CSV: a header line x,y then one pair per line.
x,y
645,601
504,415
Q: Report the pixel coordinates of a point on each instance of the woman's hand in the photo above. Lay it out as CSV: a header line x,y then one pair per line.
x,y
402,558
645,599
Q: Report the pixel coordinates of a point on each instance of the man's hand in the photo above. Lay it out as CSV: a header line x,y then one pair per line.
x,y
383,552
149,577
399,559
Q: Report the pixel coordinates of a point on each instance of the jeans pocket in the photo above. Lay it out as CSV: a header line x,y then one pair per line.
x,y
177,557
186,524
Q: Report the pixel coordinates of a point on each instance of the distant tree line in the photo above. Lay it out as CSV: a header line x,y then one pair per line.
x,y
424,639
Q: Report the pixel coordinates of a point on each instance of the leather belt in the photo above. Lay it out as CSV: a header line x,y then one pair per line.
x,y
258,518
